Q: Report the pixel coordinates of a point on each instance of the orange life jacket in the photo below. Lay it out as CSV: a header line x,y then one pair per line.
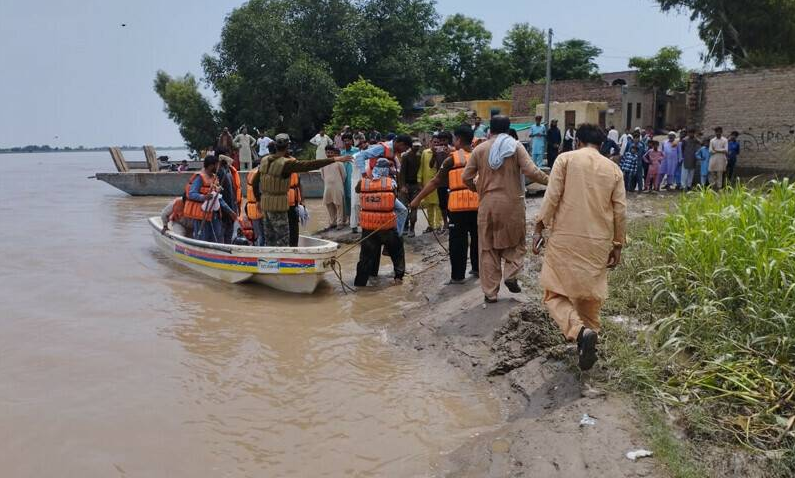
x,y
461,197
247,228
253,211
193,209
378,205
387,150
177,211
236,184
294,193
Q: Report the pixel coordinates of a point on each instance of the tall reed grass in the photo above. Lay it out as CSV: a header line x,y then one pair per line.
x,y
717,281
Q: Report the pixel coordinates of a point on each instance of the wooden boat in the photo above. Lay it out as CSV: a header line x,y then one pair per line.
x,y
289,269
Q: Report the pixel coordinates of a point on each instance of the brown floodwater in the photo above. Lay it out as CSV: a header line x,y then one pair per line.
x,y
115,361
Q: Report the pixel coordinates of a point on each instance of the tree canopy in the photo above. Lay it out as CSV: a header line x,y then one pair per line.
x,y
362,105
755,33
663,70
280,64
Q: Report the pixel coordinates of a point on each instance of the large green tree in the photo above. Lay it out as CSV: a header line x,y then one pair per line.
x,y
749,33
188,108
663,70
362,105
575,59
526,48
465,67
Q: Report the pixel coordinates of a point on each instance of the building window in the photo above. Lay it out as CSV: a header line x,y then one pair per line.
x,y
629,115
637,111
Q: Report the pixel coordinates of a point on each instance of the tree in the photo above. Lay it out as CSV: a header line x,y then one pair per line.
x,y
188,108
465,65
574,60
526,48
362,105
752,33
663,70
394,45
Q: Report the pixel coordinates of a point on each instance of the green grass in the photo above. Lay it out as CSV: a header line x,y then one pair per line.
x,y
715,284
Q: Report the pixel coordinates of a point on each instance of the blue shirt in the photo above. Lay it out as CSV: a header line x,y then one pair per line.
x,y
195,195
538,141
703,156
374,151
734,150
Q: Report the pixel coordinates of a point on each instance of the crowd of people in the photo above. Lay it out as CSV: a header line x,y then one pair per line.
x,y
471,185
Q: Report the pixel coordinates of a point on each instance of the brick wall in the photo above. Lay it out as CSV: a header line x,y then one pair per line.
x,y
565,91
760,105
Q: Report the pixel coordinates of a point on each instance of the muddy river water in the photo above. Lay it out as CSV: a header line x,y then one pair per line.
x,y
114,361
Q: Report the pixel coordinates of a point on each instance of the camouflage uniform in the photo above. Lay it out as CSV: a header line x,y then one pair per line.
x,y
277,229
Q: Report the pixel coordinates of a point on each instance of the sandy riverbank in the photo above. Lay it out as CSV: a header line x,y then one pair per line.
x,y
515,348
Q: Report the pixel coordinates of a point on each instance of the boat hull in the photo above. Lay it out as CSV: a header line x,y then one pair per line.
x,y
289,269
166,183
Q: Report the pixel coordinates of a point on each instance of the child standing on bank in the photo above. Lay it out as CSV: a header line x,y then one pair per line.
x,y
703,156
653,158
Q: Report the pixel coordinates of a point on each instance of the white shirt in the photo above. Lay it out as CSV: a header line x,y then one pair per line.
x,y
321,142
262,145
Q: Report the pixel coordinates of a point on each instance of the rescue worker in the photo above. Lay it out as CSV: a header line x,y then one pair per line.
x,y
498,163
379,221
173,215
204,202
253,212
408,182
295,198
273,185
585,206
391,150
462,206
229,179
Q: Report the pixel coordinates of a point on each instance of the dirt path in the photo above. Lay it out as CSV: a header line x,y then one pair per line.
x,y
515,347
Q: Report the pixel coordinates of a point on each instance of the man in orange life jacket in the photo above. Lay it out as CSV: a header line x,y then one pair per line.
x,y
462,206
391,150
272,187
174,215
379,222
202,187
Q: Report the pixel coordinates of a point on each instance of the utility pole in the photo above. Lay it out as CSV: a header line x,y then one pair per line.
x,y
547,89
549,76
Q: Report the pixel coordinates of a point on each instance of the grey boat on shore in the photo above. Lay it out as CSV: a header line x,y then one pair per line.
x,y
138,178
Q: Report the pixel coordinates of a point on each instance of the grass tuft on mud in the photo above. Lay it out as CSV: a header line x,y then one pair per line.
x,y
713,285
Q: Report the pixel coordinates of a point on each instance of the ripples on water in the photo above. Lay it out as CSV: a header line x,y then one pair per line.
x,y
114,361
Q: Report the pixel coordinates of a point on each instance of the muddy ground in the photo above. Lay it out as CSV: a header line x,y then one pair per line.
x,y
516,348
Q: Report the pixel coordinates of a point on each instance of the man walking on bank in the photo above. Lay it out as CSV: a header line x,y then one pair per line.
x,y
462,204
585,209
271,186
498,164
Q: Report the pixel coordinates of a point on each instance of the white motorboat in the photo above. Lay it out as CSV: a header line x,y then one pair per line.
x,y
290,269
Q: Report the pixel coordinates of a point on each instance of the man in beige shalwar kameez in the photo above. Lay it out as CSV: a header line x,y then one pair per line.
x,y
501,213
585,208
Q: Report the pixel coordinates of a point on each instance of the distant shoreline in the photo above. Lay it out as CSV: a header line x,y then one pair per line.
x,y
38,149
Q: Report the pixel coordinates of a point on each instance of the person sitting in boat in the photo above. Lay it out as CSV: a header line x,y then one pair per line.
x,y
204,203
183,166
273,185
173,216
381,222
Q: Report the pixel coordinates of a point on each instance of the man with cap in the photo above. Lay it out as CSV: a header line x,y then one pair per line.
x,y
272,183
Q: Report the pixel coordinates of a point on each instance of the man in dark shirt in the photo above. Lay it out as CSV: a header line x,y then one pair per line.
x,y
230,198
407,181
690,146
463,223
553,143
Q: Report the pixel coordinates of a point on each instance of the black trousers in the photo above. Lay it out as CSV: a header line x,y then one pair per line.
x,y
370,255
463,235
292,219
444,197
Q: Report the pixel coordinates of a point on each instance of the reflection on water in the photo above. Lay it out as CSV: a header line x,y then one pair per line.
x,y
114,361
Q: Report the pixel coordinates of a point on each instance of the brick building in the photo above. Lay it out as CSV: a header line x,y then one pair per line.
x,y
759,104
628,104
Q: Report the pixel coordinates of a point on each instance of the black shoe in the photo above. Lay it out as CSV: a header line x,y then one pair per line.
x,y
456,282
489,301
474,273
513,286
586,348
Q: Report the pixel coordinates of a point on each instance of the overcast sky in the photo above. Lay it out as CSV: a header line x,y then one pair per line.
x,y
70,70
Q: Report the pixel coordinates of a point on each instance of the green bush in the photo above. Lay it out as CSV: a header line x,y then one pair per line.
x,y
718,279
362,105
